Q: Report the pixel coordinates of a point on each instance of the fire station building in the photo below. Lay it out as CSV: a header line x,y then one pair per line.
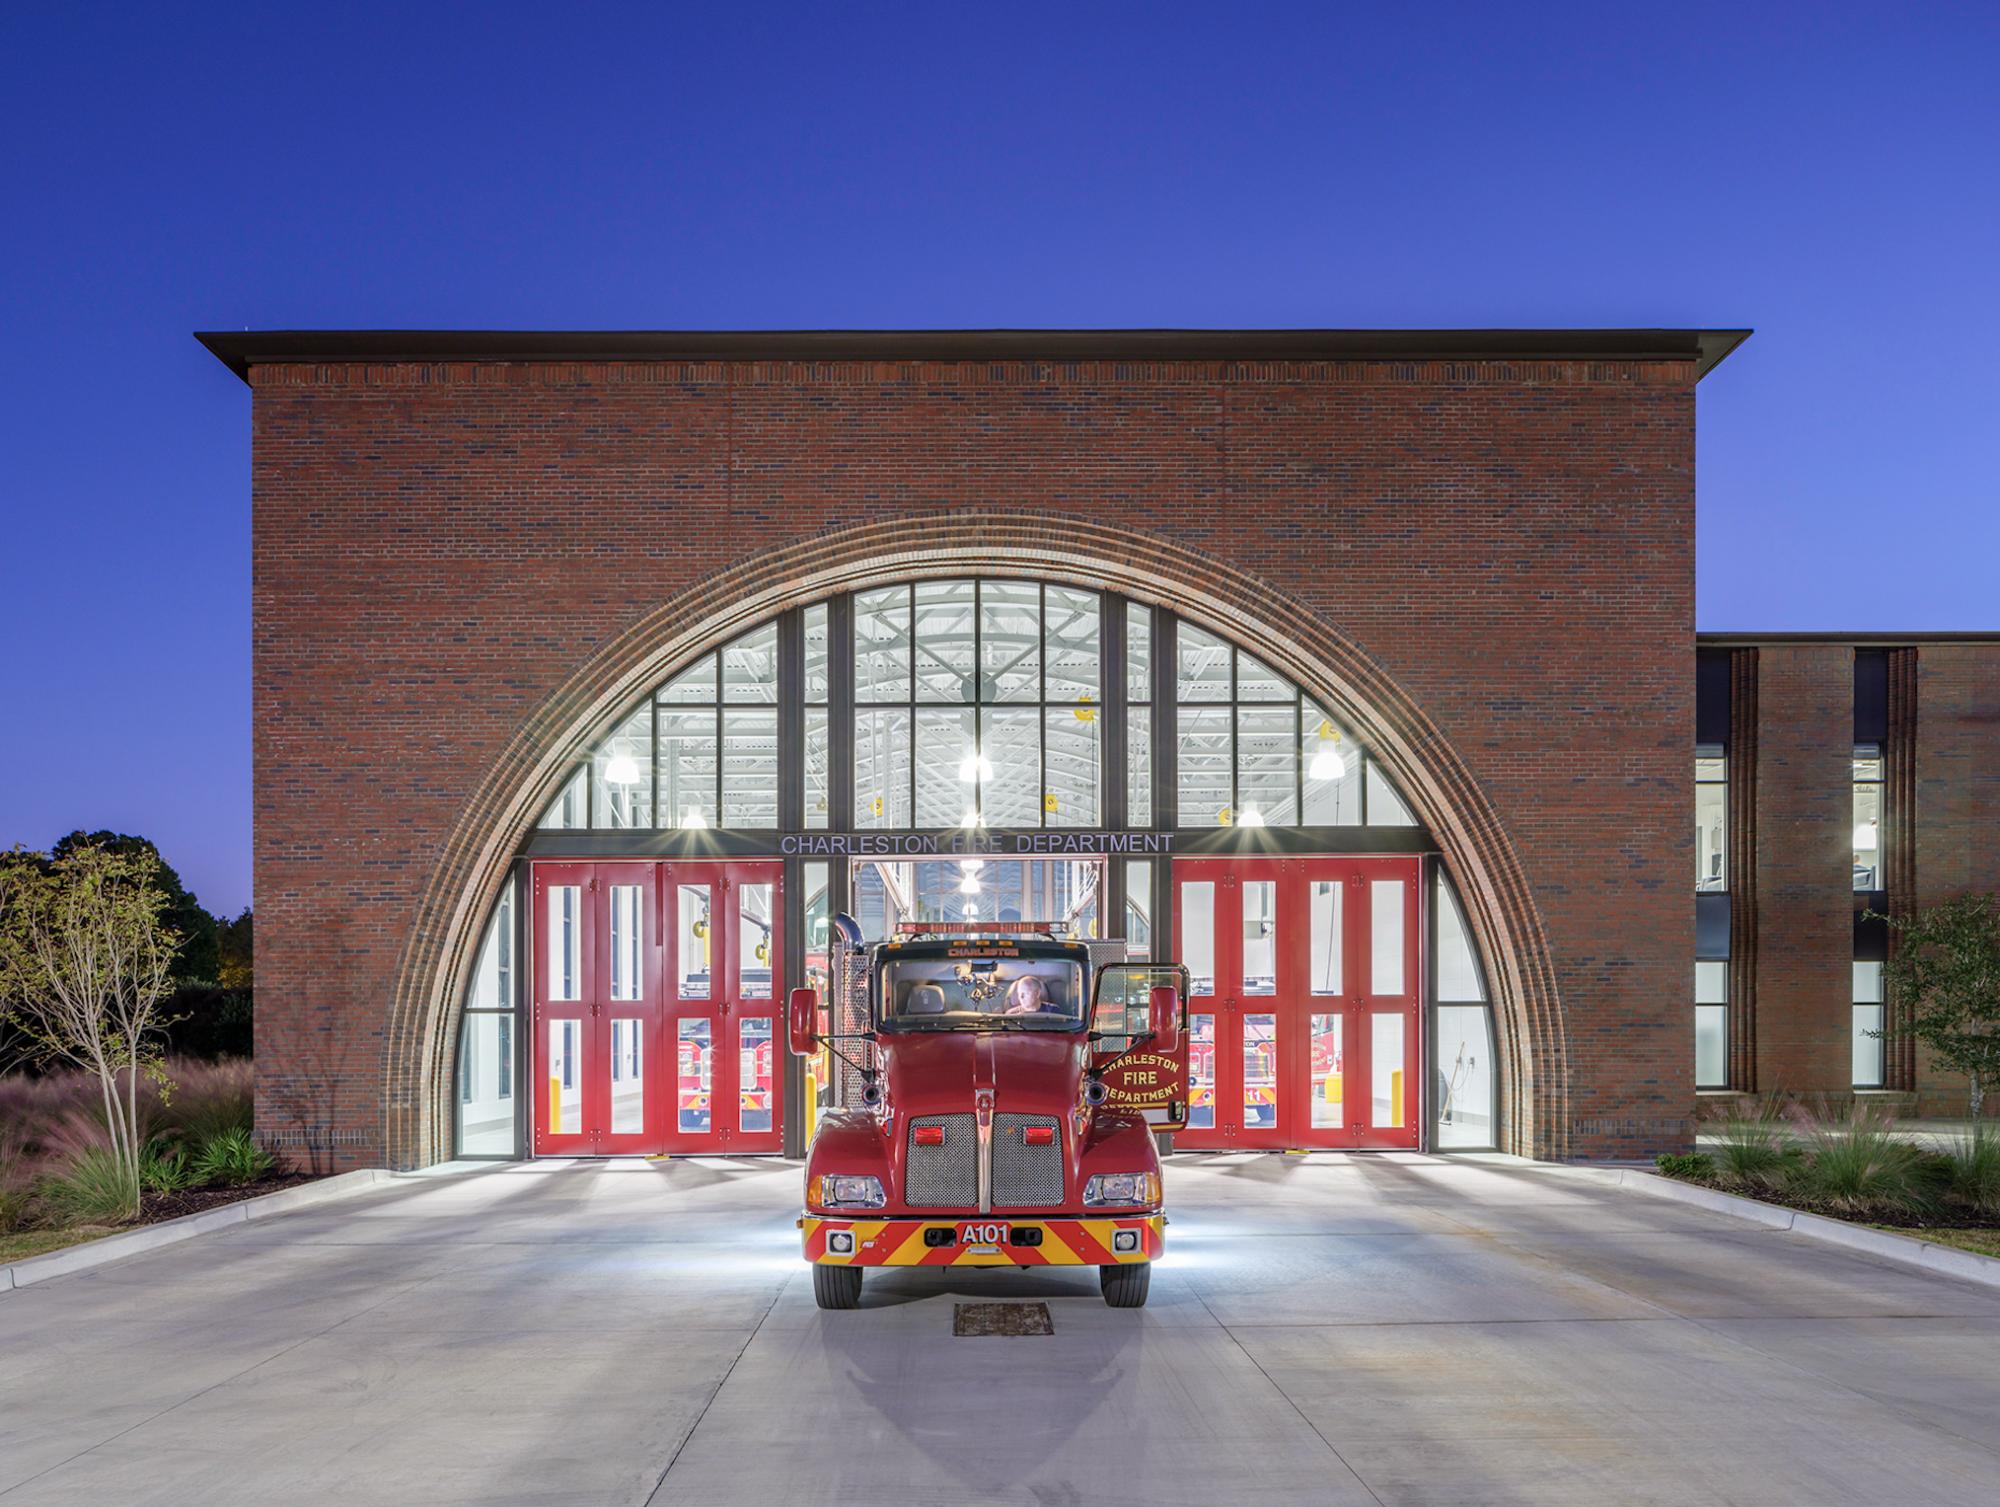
x,y
1354,670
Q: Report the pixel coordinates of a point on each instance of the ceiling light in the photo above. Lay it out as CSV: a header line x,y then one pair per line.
x,y
972,865
970,819
694,818
1251,817
621,769
1329,760
969,885
1327,764
1865,840
975,766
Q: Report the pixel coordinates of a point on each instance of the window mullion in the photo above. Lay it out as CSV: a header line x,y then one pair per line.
x,y
840,713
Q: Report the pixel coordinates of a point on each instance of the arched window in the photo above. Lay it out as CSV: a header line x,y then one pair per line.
x,y
989,703
1091,742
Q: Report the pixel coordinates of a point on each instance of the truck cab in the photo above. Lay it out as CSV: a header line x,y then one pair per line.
x,y
985,1136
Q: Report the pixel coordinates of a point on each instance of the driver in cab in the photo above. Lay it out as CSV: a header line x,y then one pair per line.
x,y
1030,996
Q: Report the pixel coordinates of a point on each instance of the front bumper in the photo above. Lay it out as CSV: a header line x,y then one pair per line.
x,y
1116,1241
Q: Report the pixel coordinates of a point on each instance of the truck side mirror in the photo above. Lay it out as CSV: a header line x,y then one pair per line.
x,y
1163,1017
802,1021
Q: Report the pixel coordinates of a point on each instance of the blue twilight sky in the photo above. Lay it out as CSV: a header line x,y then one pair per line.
x,y
1824,173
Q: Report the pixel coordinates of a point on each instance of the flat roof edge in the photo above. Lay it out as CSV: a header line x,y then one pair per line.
x,y
1730,640
239,350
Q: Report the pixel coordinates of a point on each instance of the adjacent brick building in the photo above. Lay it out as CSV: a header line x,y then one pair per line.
x,y
1865,782
1399,617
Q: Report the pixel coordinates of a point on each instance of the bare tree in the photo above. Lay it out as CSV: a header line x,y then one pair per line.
x,y
85,956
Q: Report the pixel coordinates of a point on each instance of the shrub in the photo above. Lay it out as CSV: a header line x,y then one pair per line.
x,y
93,1188
205,1099
232,1158
1698,1165
80,1165
1754,1148
164,1169
1858,1162
36,1108
1970,1167
17,1180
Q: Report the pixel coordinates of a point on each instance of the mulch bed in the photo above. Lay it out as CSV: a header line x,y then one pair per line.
x,y
154,1207
1902,1219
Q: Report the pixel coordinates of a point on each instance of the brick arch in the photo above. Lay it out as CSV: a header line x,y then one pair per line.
x,y
1336,671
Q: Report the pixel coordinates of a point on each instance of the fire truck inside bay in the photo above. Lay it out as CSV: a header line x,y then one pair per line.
x,y
1001,1081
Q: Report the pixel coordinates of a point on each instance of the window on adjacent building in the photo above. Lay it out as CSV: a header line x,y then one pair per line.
x,y
1711,818
1867,1025
1868,816
1711,1024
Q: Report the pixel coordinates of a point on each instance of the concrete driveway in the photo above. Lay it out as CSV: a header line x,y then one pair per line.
x,y
1329,1329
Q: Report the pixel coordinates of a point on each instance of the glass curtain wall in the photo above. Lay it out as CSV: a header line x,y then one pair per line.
x,y
1252,751
1462,1058
945,704
977,703
487,1068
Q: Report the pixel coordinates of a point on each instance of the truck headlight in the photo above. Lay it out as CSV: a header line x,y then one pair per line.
x,y
1122,1188
838,1192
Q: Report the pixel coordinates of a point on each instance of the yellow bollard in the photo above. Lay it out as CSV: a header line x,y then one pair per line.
x,y
555,1105
1332,1090
1396,1097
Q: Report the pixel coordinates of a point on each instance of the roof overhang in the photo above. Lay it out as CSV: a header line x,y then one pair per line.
x,y
241,350
1735,640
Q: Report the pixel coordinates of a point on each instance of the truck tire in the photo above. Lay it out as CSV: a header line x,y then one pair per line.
x,y
840,1287
1125,1286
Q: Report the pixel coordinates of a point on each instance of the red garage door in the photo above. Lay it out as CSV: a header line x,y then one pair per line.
x,y
655,1008
1303,1021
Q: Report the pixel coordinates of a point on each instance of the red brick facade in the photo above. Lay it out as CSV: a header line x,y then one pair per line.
x,y
1957,825
460,567
1805,900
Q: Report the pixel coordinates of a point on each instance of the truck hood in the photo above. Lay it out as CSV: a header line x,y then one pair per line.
x,y
938,1072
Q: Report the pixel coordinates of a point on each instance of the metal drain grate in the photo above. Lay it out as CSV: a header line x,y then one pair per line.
x,y
977,1320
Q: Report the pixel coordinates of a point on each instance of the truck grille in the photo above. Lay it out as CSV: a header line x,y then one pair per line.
x,y
1024,1176
947,1176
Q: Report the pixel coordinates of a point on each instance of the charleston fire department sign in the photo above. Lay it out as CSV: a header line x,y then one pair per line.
x,y
958,844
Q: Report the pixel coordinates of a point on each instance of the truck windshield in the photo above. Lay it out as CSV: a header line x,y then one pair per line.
x,y
982,994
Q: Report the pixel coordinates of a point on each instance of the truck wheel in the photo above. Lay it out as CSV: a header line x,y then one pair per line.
x,y
840,1287
1125,1286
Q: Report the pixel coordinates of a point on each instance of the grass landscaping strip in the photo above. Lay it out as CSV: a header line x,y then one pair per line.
x,y
26,1243
1981,1242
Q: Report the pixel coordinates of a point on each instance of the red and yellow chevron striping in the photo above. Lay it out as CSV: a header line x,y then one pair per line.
x,y
985,1241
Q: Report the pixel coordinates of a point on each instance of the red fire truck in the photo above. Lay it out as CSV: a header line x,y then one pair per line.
x,y
999,1124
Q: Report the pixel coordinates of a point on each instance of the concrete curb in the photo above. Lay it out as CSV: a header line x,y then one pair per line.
x,y
1910,1250
172,1231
